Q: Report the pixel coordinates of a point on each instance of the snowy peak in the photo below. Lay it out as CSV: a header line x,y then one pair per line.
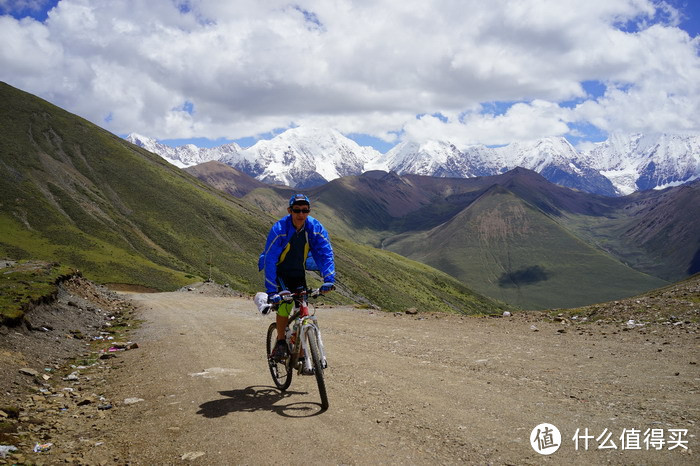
x,y
304,157
321,143
652,161
439,158
187,155
537,155
300,157
554,158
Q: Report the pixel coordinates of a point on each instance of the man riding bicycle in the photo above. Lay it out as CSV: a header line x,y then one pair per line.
x,y
284,260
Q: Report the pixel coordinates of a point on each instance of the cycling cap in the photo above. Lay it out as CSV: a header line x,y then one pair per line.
x,y
299,199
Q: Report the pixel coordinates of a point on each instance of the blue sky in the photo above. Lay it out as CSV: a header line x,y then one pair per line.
x,y
471,72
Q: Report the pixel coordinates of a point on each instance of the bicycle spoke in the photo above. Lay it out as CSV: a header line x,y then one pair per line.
x,y
318,366
280,371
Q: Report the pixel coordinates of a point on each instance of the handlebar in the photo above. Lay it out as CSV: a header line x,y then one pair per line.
x,y
289,296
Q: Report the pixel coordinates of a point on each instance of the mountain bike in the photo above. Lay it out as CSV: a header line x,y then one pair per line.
x,y
305,352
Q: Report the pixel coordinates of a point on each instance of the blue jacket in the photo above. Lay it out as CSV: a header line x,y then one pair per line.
x,y
277,246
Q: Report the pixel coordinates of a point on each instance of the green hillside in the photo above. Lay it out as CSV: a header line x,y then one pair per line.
x,y
655,232
400,284
505,248
83,197
74,193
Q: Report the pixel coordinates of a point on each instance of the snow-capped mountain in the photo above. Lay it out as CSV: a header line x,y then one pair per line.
x,y
558,161
554,158
653,161
298,157
304,157
433,158
187,155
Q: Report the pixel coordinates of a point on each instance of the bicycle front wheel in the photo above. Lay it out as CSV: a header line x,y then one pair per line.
x,y
280,370
318,366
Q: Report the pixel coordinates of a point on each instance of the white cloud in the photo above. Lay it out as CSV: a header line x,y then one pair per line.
x,y
663,95
519,123
27,47
368,67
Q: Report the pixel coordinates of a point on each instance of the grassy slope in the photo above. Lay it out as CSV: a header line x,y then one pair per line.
x,y
505,248
84,197
397,284
74,193
25,282
655,232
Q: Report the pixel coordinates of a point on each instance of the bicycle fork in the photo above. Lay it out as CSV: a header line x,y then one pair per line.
x,y
306,367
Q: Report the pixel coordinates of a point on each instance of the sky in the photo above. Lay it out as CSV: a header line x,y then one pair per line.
x,y
379,71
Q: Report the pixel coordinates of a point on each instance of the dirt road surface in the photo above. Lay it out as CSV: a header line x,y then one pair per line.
x,y
403,389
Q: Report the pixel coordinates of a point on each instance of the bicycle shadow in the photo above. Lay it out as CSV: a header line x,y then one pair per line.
x,y
259,398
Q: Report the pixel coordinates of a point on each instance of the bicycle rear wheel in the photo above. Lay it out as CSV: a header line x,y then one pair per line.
x,y
318,366
281,371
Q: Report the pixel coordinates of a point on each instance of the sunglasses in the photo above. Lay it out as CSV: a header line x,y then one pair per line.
x,y
301,211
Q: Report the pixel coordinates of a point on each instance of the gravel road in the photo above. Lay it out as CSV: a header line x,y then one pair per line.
x,y
403,389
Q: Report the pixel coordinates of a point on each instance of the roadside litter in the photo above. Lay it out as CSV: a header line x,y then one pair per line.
x,y
38,448
131,401
73,376
118,346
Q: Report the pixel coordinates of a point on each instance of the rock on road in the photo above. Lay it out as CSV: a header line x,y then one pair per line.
x,y
403,389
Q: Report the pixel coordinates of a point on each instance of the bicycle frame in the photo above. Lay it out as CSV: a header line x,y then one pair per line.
x,y
301,322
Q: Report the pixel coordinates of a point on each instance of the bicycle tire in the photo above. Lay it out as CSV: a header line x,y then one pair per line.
x,y
318,366
281,372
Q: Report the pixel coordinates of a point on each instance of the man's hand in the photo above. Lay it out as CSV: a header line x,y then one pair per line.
x,y
326,287
275,298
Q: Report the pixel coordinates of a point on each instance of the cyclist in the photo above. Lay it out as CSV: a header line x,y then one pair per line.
x,y
286,256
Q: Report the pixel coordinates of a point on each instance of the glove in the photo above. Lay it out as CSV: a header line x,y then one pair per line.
x,y
273,298
326,287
